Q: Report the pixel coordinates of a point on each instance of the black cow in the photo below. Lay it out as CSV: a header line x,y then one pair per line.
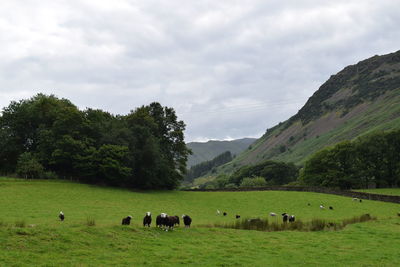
x,y
177,221
61,216
225,213
147,219
186,220
127,220
291,218
330,207
237,216
285,217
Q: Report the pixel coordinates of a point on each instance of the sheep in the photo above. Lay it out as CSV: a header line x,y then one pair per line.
x,y
225,213
147,219
237,216
127,220
292,218
186,220
330,207
285,217
61,216
272,214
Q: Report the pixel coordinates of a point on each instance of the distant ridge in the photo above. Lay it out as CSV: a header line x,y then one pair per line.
x,y
203,151
361,98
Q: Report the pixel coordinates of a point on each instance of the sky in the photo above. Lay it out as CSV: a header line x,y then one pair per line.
x,y
230,69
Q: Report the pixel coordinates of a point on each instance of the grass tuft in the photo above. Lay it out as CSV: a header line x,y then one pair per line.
x,y
20,224
90,221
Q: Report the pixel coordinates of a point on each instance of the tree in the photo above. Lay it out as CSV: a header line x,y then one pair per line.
x,y
28,166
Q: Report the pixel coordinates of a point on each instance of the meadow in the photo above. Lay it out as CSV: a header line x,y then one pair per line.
x,y
31,234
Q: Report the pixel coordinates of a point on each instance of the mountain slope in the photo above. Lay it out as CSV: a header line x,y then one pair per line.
x,y
209,150
359,99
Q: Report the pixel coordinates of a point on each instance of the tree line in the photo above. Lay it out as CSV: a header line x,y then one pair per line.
x,y
372,160
209,165
48,137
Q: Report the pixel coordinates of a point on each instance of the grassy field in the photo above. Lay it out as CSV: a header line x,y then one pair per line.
x,y
42,240
382,191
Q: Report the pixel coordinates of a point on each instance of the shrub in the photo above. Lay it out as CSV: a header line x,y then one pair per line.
x,y
230,186
28,166
49,175
253,182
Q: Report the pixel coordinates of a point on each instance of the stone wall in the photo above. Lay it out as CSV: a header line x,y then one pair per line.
x,y
353,194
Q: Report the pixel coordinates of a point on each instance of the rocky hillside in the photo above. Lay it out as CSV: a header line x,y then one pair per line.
x,y
204,151
359,99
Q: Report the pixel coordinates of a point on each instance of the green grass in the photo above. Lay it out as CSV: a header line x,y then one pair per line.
x,y
382,191
44,240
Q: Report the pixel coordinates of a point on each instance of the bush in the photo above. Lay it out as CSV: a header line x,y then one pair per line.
x,y
49,175
230,186
28,166
253,182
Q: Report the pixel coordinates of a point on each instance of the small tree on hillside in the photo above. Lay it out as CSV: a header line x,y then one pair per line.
x,y
253,182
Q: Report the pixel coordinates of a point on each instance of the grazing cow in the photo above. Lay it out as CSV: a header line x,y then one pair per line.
x,y
321,207
161,220
360,200
330,207
285,217
61,216
225,213
147,219
273,214
237,216
127,220
291,218
186,220
176,221
170,221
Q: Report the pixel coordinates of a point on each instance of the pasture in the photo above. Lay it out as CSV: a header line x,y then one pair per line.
x,y
31,234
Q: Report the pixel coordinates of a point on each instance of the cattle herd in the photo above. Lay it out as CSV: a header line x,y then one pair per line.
x,y
166,222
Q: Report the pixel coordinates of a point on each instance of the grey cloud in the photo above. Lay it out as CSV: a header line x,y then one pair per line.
x,y
229,68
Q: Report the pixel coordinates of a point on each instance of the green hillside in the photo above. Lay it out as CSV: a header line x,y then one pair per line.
x,y
32,235
359,99
204,151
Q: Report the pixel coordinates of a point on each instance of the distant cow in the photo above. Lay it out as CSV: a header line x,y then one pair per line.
x,y
61,216
127,220
237,216
147,219
285,217
291,218
321,207
186,220
330,207
170,221
225,213
176,220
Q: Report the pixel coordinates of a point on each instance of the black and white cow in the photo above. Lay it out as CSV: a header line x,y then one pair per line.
x,y
61,216
147,219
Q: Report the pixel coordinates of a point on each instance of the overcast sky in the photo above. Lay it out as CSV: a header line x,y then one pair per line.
x,y
230,69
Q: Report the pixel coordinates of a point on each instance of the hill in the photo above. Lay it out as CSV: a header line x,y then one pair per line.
x,y
32,235
361,98
204,151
